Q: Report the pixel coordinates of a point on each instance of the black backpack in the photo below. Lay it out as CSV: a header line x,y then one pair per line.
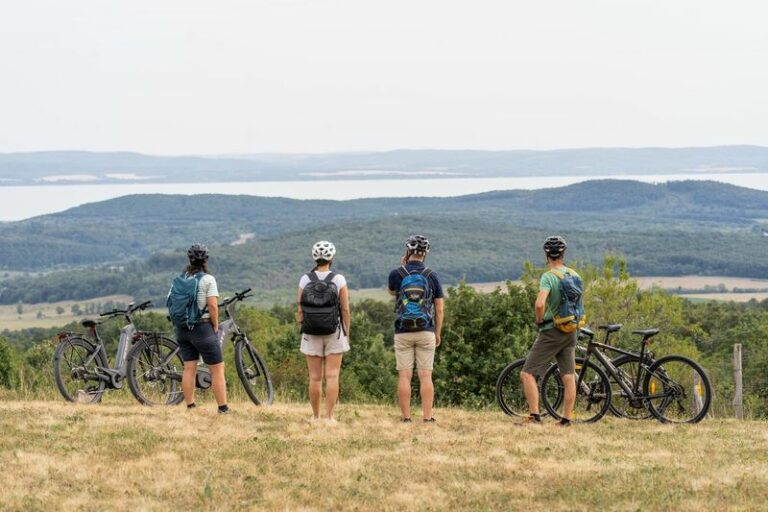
x,y
320,306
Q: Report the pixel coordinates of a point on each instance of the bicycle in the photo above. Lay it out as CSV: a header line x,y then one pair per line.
x,y
674,388
81,365
150,363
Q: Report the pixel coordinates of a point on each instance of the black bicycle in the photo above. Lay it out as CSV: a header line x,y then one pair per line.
x,y
81,365
151,365
674,388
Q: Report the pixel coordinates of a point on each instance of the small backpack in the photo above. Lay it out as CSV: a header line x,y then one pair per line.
x,y
414,307
570,315
182,300
320,306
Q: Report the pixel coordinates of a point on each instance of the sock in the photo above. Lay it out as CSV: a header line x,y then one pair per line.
x,y
223,408
191,406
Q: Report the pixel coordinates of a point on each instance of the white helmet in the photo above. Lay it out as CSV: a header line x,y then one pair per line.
x,y
323,251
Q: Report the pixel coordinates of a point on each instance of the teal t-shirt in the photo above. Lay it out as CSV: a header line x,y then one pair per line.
x,y
551,283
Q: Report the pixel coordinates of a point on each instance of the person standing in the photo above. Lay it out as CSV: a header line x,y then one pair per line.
x,y
551,342
323,312
418,324
194,310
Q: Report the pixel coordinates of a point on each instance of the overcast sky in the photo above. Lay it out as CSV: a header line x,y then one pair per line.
x,y
200,77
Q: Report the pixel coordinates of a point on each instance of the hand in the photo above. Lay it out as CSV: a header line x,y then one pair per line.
x,y
437,340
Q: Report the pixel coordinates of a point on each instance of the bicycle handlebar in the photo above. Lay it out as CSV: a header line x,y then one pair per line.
x,y
118,312
237,297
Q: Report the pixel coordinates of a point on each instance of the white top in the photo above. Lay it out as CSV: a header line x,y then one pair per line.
x,y
206,288
338,279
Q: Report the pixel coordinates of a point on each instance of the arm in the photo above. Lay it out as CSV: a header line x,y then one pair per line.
x,y
439,303
345,315
299,312
213,310
541,304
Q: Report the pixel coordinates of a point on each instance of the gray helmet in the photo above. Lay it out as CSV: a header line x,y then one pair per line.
x,y
198,252
417,243
554,246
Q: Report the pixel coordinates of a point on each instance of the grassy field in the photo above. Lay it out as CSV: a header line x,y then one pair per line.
x,y
58,456
11,320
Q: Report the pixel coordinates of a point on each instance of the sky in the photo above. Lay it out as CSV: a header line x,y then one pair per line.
x,y
298,76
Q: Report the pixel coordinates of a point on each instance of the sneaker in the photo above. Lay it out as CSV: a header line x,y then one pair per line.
x,y
564,423
528,421
225,411
430,420
313,420
405,420
331,422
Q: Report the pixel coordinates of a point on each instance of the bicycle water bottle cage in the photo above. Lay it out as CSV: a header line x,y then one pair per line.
x,y
610,327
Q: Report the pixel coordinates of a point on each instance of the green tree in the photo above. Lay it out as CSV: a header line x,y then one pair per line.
x,y
7,364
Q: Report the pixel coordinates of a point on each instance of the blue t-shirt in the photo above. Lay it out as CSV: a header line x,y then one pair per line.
x,y
434,284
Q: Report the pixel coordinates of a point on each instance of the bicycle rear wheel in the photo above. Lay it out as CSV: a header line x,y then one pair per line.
x,y
154,369
622,405
509,390
677,390
593,396
75,369
253,373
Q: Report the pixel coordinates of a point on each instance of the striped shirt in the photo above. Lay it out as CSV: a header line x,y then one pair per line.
x,y
206,288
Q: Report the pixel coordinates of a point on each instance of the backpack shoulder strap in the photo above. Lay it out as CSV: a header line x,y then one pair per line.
x,y
403,272
426,272
329,277
312,276
558,274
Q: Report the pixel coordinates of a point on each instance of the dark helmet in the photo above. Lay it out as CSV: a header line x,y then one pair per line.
x,y
417,243
554,246
198,252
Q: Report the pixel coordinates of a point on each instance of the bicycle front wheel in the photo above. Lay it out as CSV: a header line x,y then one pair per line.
x,y
677,390
509,390
593,395
253,373
75,369
622,404
154,369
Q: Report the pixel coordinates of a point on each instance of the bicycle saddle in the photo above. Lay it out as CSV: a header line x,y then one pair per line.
x,y
610,327
647,333
587,332
89,323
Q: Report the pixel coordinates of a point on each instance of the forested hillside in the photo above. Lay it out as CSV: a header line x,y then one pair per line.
x,y
131,245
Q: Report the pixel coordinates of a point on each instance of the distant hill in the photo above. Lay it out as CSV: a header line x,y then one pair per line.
x,y
131,244
75,166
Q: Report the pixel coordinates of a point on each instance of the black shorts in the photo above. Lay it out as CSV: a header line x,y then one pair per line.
x,y
200,341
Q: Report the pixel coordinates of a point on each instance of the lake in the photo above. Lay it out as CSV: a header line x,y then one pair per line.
x,y
18,203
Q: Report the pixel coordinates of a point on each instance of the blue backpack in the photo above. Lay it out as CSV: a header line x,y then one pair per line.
x,y
182,300
570,315
414,307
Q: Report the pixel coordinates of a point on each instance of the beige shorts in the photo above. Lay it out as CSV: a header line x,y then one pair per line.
x,y
415,347
321,346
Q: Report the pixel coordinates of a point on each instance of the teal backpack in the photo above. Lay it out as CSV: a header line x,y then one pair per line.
x,y
570,315
182,300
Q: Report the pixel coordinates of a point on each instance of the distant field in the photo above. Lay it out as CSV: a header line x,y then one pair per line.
x,y
700,282
59,456
11,320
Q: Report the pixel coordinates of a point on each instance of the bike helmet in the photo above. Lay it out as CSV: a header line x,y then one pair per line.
x,y
554,246
323,250
418,244
198,252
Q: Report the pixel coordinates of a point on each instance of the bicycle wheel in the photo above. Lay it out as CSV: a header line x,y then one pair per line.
x,y
154,369
253,373
622,405
509,390
593,396
677,390
75,369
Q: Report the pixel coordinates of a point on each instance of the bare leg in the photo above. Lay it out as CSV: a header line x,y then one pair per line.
x,y
315,366
188,380
427,392
218,383
531,390
332,368
569,398
404,392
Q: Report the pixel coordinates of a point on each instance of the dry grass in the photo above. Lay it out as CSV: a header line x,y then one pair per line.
x,y
58,456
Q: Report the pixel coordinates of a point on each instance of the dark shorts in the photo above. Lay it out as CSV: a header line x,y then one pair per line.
x,y
552,344
200,341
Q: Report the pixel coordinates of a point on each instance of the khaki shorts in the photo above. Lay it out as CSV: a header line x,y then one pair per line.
x,y
552,344
321,346
415,347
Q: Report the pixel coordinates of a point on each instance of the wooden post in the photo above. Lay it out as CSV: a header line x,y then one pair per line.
x,y
738,406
